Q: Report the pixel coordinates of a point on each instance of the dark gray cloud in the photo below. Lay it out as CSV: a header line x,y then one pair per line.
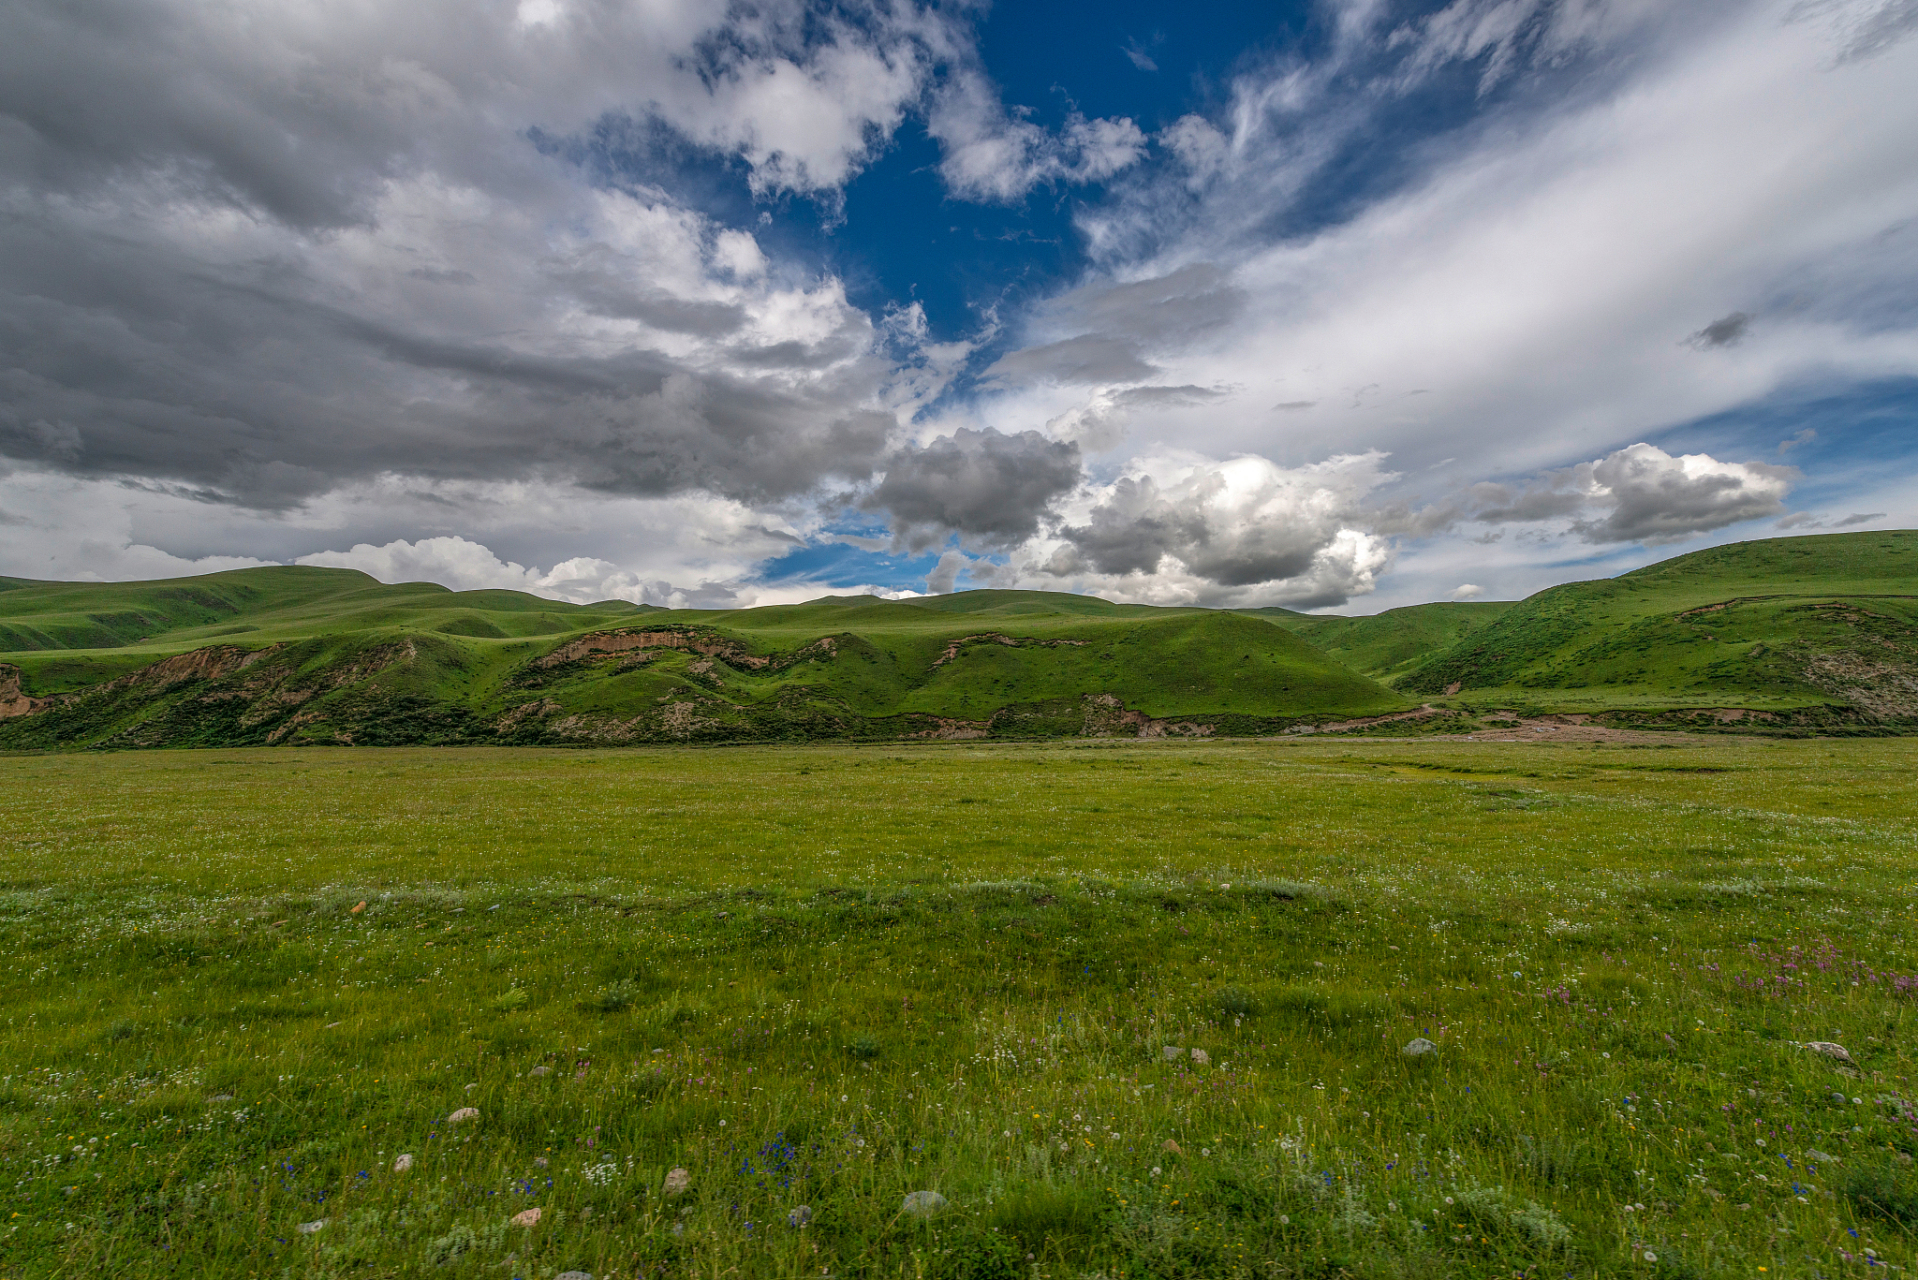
x,y
256,260
249,388
987,486
1858,518
1726,331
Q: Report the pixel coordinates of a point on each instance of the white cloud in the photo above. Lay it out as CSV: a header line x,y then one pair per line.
x,y
1181,529
992,154
1523,300
1642,494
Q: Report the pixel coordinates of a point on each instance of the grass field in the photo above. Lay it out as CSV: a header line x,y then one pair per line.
x,y
831,976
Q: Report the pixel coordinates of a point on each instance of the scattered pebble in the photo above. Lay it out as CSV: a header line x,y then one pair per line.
x,y
574,1275
1419,1047
677,1180
800,1217
1201,1057
1821,1157
1173,1147
308,1228
541,1070
526,1218
1829,1049
464,1113
471,1087
403,1163
923,1204
541,1161
1173,1053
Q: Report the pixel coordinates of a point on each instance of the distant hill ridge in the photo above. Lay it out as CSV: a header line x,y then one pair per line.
x,y
1780,625
1785,632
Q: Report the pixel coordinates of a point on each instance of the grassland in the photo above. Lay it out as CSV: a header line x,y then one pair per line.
x,y
828,976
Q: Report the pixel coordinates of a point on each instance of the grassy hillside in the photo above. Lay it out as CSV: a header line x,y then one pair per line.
x,y
1784,624
320,655
1388,645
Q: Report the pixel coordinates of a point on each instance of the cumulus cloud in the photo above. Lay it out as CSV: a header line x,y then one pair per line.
x,y
988,487
1177,529
1643,494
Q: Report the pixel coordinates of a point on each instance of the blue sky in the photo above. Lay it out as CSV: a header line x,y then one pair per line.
x,y
1338,305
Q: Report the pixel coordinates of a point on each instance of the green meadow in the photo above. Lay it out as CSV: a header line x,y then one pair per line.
x,y
1130,1009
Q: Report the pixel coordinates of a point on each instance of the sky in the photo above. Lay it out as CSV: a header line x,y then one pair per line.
x,y
1336,305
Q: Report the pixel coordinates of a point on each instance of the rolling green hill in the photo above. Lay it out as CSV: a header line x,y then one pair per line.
x,y
1786,625
1785,633
327,655
1388,645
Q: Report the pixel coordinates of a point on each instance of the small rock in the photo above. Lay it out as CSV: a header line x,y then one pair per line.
x,y
221,1097
800,1217
1201,1057
677,1180
1173,1053
526,1218
574,1275
1170,1146
464,1113
923,1204
1419,1047
1827,1049
331,1025
541,1161
403,1163
541,1070
308,1228
1821,1157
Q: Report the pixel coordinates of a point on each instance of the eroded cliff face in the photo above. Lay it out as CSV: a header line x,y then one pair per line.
x,y
13,702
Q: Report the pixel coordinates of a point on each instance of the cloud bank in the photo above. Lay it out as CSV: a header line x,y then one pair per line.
x,y
389,287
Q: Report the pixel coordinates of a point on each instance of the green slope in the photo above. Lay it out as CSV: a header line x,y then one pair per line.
x,y
1829,621
293,655
1388,645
